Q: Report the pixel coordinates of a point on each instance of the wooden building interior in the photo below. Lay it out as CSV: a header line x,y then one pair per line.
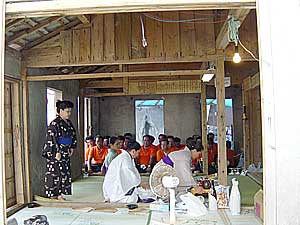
x,y
101,57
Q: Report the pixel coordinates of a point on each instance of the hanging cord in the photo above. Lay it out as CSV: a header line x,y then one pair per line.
x,y
176,21
144,41
194,20
233,34
247,50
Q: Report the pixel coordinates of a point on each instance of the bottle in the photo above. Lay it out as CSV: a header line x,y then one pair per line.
x,y
235,198
212,197
214,193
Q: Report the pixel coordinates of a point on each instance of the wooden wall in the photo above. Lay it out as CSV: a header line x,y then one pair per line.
x,y
117,39
9,150
252,123
112,38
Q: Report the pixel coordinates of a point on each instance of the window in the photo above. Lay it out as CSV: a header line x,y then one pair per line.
x,y
212,126
52,96
149,118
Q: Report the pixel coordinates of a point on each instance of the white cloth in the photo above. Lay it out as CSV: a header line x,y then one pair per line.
x,y
182,165
121,177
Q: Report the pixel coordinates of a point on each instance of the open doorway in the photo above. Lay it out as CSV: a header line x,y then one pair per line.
x,y
212,126
53,96
87,117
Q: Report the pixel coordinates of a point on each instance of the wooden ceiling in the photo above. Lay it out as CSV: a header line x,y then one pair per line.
x,y
175,57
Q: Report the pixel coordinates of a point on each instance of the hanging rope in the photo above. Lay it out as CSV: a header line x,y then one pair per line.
x,y
144,41
233,29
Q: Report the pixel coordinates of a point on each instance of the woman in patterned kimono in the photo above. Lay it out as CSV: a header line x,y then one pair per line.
x,y
59,146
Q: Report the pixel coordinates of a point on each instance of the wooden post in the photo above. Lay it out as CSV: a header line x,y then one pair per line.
x,y
26,132
81,125
246,126
221,120
204,127
2,151
17,145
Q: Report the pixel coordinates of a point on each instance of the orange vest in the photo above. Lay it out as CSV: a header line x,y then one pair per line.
x,y
98,154
87,152
145,154
160,153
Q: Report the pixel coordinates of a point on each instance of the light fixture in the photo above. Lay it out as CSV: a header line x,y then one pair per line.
x,y
236,57
208,76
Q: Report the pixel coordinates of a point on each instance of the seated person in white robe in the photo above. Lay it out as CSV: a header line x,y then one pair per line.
x,y
122,177
181,161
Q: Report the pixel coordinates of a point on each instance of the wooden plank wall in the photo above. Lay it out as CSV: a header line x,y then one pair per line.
x,y
252,126
164,87
9,150
117,37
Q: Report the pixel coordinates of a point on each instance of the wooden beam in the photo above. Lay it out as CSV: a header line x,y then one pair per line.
x,y
117,74
33,63
2,145
41,25
246,126
125,85
26,132
97,95
81,124
51,34
11,24
84,19
58,7
222,38
204,127
17,145
115,83
221,121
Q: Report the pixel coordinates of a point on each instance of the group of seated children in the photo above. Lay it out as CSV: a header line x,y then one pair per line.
x,y
100,152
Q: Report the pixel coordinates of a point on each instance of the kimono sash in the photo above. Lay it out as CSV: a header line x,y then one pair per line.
x,y
64,141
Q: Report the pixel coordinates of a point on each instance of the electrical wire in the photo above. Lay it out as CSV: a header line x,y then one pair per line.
x,y
193,20
253,56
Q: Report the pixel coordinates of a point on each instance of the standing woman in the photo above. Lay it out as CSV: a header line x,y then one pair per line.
x,y
60,144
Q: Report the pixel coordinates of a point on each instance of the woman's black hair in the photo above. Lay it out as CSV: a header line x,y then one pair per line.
x,y
89,138
61,105
132,144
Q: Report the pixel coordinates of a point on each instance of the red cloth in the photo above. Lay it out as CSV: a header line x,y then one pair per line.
x,y
212,154
230,157
194,161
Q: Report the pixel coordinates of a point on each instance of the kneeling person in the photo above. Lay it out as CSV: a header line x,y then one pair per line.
x,y
122,178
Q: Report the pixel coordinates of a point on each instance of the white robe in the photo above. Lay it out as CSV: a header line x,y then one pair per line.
x,y
121,177
182,165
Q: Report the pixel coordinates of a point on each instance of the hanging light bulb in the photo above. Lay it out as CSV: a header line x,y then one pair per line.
x,y
236,57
